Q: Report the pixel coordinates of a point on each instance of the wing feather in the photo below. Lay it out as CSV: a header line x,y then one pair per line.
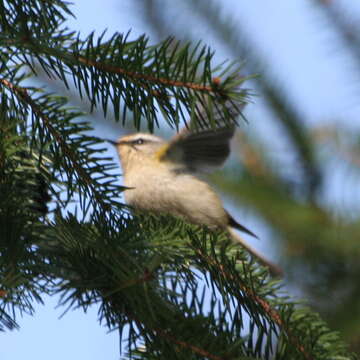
x,y
206,149
202,151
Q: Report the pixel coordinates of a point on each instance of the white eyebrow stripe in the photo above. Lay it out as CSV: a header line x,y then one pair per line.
x,y
146,137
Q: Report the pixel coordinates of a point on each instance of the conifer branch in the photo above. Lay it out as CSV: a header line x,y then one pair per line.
x,y
31,44
266,307
172,338
140,76
166,75
26,98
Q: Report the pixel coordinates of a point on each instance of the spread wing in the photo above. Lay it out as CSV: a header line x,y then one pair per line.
x,y
204,150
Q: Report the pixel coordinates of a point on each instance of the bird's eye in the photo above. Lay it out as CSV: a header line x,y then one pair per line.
x,y
139,141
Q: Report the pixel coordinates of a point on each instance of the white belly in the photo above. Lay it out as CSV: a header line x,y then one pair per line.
x,y
180,195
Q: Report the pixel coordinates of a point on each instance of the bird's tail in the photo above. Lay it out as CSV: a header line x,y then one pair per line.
x,y
233,223
274,269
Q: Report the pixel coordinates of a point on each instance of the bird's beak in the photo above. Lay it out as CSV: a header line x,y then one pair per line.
x,y
112,142
115,143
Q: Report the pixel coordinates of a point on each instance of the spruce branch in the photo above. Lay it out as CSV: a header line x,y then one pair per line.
x,y
171,338
219,268
162,77
153,79
166,322
90,185
173,313
22,270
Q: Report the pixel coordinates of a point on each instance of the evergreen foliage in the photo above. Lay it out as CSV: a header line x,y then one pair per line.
x,y
173,291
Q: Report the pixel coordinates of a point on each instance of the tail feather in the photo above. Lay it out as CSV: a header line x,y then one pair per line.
x,y
274,269
234,224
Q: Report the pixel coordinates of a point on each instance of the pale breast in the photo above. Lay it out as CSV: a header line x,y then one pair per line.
x,y
164,191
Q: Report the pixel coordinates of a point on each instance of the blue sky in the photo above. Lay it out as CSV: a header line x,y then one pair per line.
x,y
307,56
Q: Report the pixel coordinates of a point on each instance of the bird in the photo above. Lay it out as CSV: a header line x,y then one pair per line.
x,y
164,177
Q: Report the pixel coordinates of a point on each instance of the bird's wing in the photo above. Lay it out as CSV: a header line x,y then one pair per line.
x,y
205,149
202,151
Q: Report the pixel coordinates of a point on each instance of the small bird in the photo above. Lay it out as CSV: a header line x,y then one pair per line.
x,y
162,177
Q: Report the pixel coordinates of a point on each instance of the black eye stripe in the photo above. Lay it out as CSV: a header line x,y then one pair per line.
x,y
138,141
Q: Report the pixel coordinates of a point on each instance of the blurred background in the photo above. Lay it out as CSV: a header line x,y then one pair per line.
x,y
294,174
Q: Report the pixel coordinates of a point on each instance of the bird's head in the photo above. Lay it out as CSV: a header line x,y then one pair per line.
x,y
139,147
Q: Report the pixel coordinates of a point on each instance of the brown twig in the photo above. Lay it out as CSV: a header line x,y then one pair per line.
x,y
140,76
271,312
193,348
169,337
147,276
